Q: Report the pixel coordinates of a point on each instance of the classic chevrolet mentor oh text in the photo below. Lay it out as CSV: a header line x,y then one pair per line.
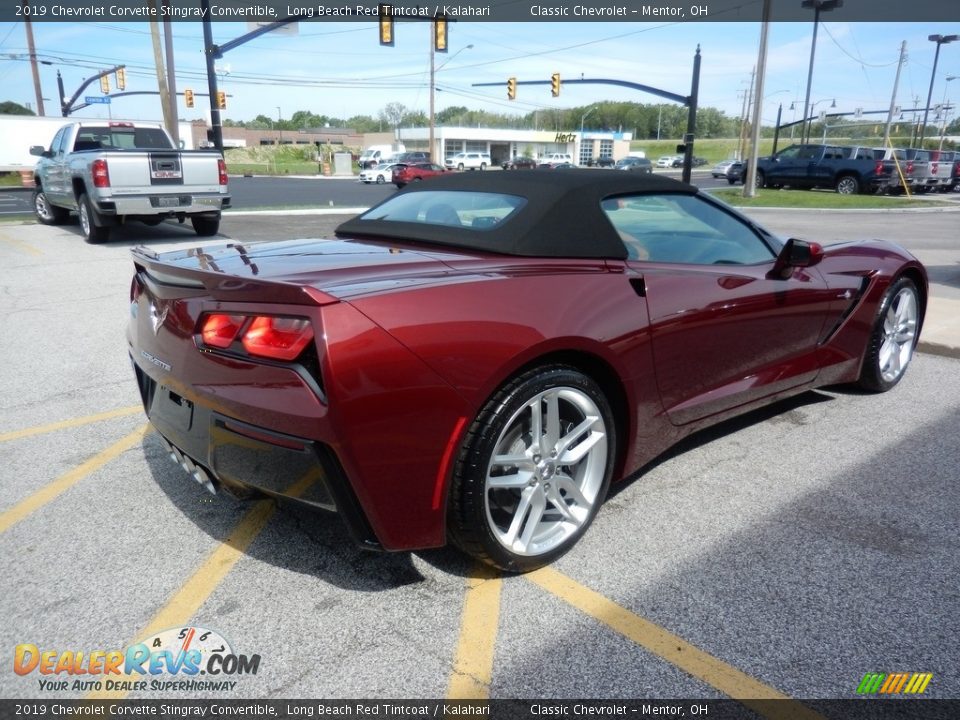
x,y
477,357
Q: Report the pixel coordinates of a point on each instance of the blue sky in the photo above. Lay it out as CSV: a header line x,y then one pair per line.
x,y
339,69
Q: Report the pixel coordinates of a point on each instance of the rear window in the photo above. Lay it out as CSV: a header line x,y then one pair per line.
x,y
121,138
468,210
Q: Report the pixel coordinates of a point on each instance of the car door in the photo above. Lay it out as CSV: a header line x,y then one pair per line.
x,y
724,331
790,166
55,181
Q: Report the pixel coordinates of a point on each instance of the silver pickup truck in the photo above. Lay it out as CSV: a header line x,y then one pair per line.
x,y
113,172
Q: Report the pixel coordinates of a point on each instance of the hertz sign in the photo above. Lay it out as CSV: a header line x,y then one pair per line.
x,y
565,138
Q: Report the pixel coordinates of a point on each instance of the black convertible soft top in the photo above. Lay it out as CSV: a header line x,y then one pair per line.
x,y
561,217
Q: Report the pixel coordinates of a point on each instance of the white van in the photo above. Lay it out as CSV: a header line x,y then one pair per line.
x,y
376,154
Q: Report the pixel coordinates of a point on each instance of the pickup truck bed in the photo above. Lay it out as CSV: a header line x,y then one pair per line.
x,y
112,173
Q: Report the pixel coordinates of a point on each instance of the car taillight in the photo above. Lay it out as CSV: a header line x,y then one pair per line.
x,y
101,176
222,170
878,168
220,330
136,289
277,338
956,169
909,168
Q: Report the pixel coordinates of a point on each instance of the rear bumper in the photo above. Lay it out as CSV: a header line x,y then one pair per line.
x,y
248,460
187,203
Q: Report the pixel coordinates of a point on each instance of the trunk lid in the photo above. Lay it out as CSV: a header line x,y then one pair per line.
x,y
310,272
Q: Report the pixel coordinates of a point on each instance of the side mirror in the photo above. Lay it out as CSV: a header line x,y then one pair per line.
x,y
39,151
796,253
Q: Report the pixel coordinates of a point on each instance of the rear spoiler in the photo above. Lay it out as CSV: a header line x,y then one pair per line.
x,y
221,286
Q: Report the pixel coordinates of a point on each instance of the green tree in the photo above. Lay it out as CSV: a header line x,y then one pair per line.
x,y
8,107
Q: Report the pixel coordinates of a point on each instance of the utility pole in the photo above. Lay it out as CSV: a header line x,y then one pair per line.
x,y
171,75
744,114
749,185
893,97
158,62
33,57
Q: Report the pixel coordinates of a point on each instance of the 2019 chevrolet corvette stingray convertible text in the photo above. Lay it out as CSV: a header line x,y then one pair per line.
x,y
476,358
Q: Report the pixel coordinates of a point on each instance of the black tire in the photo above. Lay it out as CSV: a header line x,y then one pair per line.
x,y
460,167
91,224
47,213
761,180
481,517
848,185
205,226
732,181
483,166
884,335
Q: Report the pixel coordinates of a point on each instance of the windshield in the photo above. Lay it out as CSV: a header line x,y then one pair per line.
x,y
462,209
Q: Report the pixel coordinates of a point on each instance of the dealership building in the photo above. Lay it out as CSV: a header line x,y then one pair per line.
x,y
502,145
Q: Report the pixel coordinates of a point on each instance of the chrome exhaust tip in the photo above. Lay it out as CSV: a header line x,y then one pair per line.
x,y
200,475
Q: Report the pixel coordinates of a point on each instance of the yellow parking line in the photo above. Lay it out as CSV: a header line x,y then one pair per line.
x,y
73,422
20,244
692,660
473,665
34,502
195,591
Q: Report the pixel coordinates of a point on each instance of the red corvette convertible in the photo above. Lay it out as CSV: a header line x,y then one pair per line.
x,y
476,358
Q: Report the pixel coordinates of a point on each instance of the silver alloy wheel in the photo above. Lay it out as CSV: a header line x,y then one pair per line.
x,y
546,472
43,207
84,214
899,333
847,185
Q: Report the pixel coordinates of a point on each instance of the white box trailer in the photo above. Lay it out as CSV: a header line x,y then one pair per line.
x,y
19,132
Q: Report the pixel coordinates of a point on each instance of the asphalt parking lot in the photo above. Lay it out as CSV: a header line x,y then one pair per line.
x,y
784,554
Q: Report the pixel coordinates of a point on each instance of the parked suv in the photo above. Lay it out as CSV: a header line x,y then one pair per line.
x,y
411,157
468,161
634,164
556,159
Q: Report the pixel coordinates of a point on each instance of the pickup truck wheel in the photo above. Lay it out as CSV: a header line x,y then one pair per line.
x,y
92,232
848,185
205,226
460,167
483,166
46,213
761,179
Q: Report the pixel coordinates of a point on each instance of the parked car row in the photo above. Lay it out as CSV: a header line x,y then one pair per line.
x,y
852,169
402,173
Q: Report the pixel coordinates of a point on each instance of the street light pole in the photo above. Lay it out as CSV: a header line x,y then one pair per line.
x,y
939,40
818,6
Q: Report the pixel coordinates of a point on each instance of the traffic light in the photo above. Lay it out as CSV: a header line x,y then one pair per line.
x,y
121,78
385,12
105,84
511,88
221,100
555,84
188,97
440,34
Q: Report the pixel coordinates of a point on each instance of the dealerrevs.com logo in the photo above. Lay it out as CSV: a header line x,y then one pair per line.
x,y
894,683
169,661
